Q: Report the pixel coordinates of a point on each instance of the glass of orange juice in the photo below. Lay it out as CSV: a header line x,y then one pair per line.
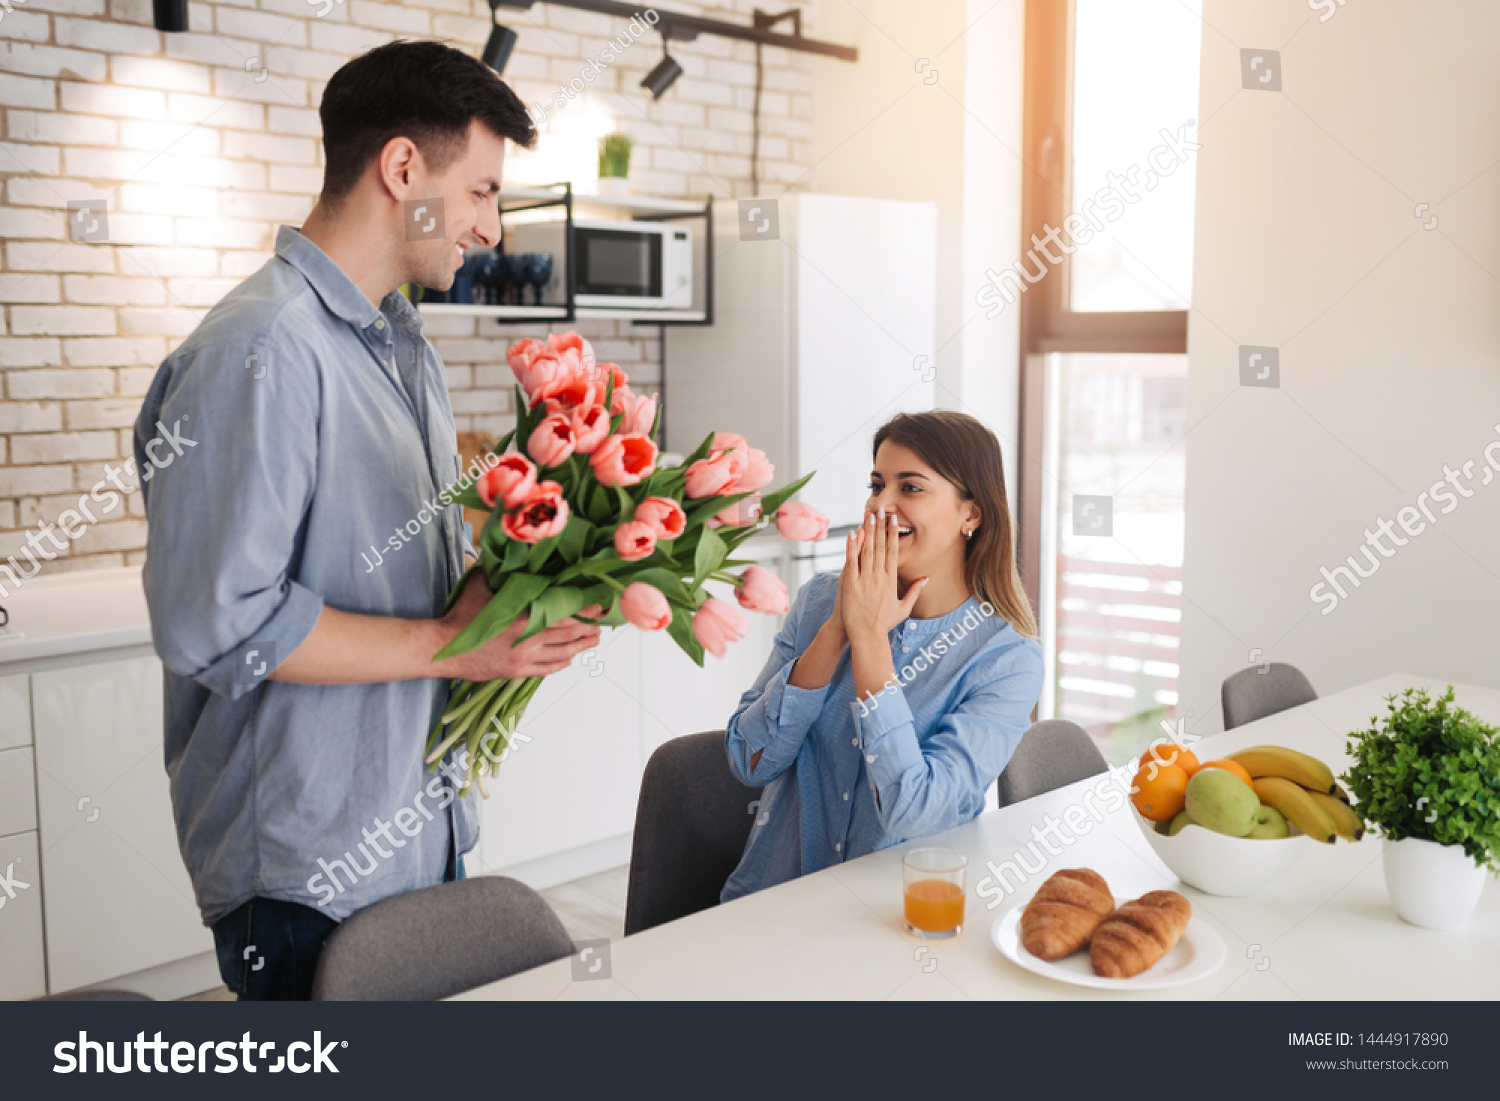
x,y
933,891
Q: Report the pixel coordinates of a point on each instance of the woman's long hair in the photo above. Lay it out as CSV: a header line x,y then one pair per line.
x,y
967,454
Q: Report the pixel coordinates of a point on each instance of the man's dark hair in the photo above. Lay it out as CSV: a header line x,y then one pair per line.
x,y
424,91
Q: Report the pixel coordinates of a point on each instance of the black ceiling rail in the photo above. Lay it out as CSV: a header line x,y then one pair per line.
x,y
685,28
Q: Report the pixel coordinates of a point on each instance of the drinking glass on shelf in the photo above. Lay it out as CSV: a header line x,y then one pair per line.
x,y
933,892
487,276
538,271
513,274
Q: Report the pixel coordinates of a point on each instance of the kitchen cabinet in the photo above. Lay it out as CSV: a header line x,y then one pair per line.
x,y
118,896
17,791
22,970
15,712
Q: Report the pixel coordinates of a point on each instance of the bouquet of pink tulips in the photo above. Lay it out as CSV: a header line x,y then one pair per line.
x,y
580,514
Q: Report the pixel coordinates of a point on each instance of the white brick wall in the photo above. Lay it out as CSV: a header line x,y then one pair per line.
x,y
200,162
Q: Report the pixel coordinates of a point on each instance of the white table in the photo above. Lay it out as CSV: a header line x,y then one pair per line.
x,y
1326,925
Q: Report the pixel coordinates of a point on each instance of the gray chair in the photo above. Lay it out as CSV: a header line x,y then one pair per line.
x,y
97,996
1251,694
691,824
1052,753
439,941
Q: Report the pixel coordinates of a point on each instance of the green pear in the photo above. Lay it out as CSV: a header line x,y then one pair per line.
x,y
1177,824
1270,823
1222,802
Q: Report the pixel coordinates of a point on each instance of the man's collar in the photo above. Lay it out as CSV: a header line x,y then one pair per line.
x,y
339,293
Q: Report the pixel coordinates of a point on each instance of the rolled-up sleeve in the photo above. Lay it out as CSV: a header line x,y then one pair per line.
x,y
922,788
226,497
773,717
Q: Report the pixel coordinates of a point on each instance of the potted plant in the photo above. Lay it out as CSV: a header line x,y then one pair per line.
x,y
614,164
1429,780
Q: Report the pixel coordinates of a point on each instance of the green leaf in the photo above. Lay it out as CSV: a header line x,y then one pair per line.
x,y
516,555
519,590
700,452
504,442
553,606
468,497
710,553
570,542
668,583
681,630
540,552
773,501
598,510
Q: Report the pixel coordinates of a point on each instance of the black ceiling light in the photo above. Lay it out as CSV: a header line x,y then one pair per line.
x,y
501,41
659,79
169,15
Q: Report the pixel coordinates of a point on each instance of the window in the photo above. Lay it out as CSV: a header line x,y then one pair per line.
x,y
1111,107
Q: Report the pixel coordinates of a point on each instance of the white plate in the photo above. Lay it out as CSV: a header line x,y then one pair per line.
x,y
1198,953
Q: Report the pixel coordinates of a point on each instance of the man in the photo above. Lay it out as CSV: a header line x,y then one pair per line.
x,y
313,421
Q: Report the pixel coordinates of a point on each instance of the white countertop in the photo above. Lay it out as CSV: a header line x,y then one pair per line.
x,y
65,615
1326,925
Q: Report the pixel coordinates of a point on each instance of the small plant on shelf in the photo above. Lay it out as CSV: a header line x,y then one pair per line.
x,y
614,156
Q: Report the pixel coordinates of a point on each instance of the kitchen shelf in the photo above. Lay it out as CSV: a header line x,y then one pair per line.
x,y
514,200
556,313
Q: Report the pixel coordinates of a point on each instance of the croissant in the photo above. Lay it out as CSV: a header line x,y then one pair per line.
x,y
1139,933
1064,913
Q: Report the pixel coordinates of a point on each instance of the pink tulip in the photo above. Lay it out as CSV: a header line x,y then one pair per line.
x,y
644,606
539,375
552,441
709,477
738,515
638,413
762,591
664,514
634,540
570,341
577,391
590,428
542,515
801,523
717,622
623,460
510,480
756,475
520,354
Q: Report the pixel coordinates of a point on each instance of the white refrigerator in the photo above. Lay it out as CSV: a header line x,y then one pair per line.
x,y
824,328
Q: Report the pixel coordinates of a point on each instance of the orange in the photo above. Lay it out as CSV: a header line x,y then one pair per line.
x,y
1160,798
1230,766
1168,753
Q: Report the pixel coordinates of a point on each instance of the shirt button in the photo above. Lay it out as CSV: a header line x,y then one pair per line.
x,y
906,649
380,323
854,741
838,847
870,759
846,796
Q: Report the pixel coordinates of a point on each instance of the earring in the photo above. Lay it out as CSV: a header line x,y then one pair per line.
x,y
969,534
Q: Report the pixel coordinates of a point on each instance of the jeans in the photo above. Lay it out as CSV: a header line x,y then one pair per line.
x,y
268,949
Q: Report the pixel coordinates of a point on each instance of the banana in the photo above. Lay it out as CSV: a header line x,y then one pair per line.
x,y
1341,795
1346,820
1276,760
1299,805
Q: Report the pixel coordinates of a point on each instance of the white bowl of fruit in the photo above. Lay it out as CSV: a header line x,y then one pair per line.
x,y
1232,825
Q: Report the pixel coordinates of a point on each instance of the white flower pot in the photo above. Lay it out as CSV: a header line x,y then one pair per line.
x,y
614,186
1431,885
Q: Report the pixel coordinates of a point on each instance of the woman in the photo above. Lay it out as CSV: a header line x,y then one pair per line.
x,y
898,688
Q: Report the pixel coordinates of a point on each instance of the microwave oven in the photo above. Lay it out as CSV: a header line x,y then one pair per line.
x,y
624,265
